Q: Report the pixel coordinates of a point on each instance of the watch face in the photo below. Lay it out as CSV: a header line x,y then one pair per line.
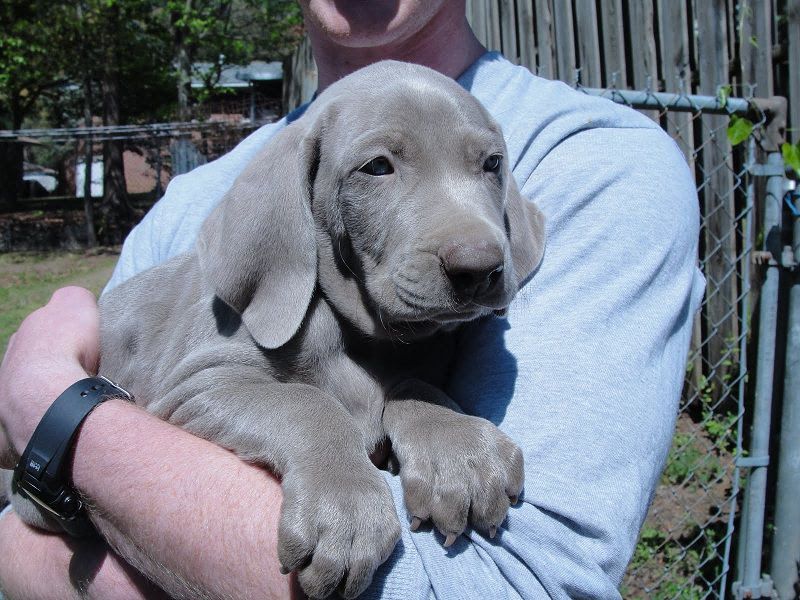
x,y
63,503
42,475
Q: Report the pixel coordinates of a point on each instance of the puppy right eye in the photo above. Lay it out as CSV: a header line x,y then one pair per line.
x,y
377,167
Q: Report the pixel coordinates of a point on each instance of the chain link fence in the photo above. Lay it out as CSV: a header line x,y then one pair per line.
x,y
687,546
58,163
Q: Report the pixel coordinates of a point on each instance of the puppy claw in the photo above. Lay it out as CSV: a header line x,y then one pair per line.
x,y
492,531
284,570
415,523
450,540
513,500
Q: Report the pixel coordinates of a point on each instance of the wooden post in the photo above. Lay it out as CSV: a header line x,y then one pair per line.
x,y
565,41
527,42
508,31
588,43
493,25
793,25
643,48
756,46
613,43
721,314
673,23
546,39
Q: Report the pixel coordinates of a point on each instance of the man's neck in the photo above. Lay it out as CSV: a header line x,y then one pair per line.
x,y
445,44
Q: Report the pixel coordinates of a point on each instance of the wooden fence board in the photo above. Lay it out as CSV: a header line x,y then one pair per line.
x,y
613,43
721,313
676,74
643,45
588,43
493,26
546,43
643,48
508,30
756,48
673,27
565,51
793,25
527,41
478,19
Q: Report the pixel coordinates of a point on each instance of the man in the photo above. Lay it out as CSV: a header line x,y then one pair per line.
x,y
584,374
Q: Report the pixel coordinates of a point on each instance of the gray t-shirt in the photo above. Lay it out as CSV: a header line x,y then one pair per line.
x,y
586,371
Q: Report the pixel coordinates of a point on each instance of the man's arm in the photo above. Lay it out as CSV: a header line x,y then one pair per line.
x,y
211,531
38,565
188,514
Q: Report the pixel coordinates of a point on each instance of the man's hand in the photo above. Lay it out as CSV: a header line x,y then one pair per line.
x,y
54,347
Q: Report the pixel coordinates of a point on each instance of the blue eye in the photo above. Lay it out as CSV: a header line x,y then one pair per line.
x,y
377,167
492,164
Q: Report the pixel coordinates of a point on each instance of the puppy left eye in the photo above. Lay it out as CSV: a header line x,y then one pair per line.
x,y
377,167
492,164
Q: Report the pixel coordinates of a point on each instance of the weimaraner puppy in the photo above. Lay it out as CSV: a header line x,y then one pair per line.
x,y
314,319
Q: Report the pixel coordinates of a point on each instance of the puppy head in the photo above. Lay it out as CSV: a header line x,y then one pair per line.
x,y
421,225
394,193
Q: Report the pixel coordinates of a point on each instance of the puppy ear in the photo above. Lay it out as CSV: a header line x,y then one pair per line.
x,y
525,224
257,248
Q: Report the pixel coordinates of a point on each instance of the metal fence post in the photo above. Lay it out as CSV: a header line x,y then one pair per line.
x,y
786,542
752,584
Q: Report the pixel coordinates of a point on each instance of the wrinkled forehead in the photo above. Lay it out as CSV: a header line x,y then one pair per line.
x,y
407,105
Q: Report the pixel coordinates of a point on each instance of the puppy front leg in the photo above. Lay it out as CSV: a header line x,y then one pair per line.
x,y
338,520
454,468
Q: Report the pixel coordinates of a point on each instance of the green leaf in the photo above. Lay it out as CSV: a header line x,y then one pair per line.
x,y
791,155
739,129
723,93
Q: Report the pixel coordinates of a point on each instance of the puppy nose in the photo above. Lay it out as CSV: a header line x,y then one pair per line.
x,y
473,268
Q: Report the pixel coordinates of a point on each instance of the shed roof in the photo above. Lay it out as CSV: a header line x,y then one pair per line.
x,y
240,76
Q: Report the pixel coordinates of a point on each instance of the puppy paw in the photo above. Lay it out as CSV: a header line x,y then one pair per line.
x,y
337,526
461,470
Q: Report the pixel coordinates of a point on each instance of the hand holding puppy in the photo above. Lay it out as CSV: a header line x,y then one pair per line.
x,y
54,347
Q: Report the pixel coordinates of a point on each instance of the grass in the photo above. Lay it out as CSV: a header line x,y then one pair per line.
x,y
27,280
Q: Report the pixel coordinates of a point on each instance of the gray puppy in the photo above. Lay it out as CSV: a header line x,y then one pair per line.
x,y
315,318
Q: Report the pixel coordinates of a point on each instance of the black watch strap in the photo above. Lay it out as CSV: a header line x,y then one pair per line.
x,y
42,473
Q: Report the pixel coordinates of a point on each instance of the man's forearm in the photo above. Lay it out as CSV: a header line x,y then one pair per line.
x,y
39,565
190,515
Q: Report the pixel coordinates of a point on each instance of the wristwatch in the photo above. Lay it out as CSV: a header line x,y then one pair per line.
x,y
42,473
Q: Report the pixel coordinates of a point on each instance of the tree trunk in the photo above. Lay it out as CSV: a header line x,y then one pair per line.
x,y
88,157
10,174
114,211
183,60
88,149
11,168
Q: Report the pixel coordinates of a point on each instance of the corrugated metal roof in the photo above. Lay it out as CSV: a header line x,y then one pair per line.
x,y
239,76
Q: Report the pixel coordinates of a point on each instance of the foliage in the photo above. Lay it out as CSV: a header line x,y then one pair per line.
x,y
29,64
49,49
723,93
791,156
690,463
64,61
224,32
739,129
